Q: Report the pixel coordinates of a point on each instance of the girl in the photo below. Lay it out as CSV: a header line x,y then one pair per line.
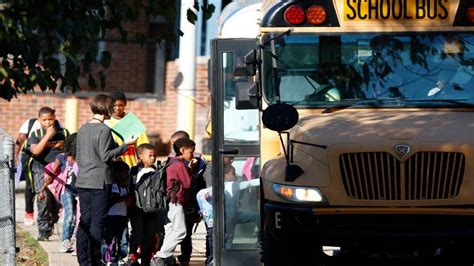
x,y
60,177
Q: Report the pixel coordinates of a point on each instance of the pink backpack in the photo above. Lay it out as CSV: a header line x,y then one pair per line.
x,y
59,181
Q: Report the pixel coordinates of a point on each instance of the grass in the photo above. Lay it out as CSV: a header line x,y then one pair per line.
x,y
31,253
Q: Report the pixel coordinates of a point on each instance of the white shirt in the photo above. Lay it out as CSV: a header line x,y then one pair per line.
x,y
119,208
24,127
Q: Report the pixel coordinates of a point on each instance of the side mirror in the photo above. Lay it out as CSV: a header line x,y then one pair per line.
x,y
246,95
280,117
246,66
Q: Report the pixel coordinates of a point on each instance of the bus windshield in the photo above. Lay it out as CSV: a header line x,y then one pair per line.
x,y
375,70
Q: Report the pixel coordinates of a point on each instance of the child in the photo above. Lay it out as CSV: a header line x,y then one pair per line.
x,y
192,209
145,226
232,213
45,144
62,187
204,199
115,247
178,180
118,114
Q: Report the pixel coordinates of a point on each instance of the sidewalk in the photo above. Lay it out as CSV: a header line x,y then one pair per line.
x,y
57,258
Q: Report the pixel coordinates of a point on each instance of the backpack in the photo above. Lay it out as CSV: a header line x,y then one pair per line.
x,y
197,183
27,168
25,153
150,191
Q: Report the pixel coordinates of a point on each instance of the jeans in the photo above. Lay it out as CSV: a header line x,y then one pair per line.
x,y
116,231
145,227
29,196
48,209
187,243
69,207
94,205
209,245
175,231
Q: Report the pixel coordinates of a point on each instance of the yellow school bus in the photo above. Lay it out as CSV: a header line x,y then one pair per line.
x,y
366,135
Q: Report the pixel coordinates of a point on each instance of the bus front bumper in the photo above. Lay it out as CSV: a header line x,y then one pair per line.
x,y
351,226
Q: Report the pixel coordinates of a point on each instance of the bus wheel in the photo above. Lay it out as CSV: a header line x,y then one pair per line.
x,y
274,252
290,250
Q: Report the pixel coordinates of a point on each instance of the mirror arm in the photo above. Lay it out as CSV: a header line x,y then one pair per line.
x,y
309,144
287,155
292,171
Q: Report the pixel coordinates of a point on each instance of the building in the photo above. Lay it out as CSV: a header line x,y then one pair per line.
x,y
147,74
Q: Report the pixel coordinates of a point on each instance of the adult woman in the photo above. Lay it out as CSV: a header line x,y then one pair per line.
x,y
95,150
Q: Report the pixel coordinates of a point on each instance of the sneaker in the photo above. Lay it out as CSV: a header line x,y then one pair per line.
x,y
66,246
171,261
133,260
184,263
158,262
29,218
43,238
74,253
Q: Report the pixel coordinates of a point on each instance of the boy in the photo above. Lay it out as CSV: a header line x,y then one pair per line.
x,y
192,210
178,180
45,144
145,226
115,248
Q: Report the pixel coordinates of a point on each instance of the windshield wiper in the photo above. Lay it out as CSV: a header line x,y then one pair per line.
x,y
459,102
351,102
346,103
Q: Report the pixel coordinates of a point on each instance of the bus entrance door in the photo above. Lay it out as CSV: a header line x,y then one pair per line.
x,y
235,160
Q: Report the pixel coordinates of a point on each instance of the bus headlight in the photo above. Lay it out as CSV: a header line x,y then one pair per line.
x,y
298,194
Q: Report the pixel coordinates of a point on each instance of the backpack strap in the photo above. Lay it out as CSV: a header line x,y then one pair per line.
x,y
31,122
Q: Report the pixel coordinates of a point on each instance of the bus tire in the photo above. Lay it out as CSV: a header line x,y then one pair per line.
x,y
291,249
274,253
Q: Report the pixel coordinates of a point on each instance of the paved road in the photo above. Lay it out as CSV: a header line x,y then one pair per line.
x,y
57,258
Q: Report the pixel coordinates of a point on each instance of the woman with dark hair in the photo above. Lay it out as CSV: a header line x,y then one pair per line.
x,y
95,151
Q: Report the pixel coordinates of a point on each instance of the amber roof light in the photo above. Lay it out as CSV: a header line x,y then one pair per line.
x,y
316,15
470,14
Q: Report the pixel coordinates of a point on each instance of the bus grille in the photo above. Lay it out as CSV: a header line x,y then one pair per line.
x,y
380,176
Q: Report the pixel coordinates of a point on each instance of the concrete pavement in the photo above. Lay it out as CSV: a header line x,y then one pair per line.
x,y
57,258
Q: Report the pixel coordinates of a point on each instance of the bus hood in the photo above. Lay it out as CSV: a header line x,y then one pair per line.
x,y
356,131
385,126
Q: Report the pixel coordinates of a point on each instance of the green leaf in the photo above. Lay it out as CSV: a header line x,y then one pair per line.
x,y
102,78
191,16
88,58
91,82
105,59
141,38
3,72
208,10
196,5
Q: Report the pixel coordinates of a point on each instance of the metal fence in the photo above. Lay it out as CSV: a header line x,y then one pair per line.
x,y
7,199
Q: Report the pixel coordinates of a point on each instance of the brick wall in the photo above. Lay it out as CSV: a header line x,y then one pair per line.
x,y
159,117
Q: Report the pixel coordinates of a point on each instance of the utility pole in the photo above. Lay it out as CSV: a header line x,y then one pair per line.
x,y
187,66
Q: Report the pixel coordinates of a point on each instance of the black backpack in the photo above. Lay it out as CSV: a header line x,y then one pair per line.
x,y
197,183
150,191
25,153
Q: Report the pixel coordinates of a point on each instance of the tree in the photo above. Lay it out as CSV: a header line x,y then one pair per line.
x,y
52,43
